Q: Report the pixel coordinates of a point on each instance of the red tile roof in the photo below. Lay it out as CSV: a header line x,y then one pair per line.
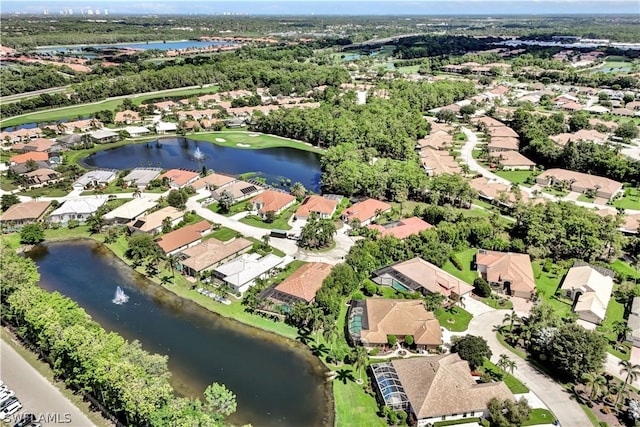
x,y
403,228
305,281
37,156
179,177
366,210
272,200
183,236
317,204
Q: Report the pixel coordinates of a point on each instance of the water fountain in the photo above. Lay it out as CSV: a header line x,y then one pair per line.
x,y
120,297
198,155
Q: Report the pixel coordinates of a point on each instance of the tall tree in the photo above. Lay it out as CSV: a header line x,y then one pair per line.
x,y
631,373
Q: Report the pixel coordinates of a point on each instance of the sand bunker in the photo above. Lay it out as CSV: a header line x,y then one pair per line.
x,y
221,140
254,134
243,145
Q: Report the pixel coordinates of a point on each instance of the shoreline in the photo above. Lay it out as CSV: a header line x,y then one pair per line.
x,y
177,291
119,43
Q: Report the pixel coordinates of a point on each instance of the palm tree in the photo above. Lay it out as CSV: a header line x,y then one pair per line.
x,y
512,318
621,329
329,333
503,362
172,263
361,358
631,373
594,383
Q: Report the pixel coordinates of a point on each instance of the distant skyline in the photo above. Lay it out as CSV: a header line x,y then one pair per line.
x,y
329,7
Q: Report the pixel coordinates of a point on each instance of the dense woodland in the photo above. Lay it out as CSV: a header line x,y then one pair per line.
x,y
132,384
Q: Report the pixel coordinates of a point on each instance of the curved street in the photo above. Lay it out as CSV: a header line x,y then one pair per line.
x,y
466,154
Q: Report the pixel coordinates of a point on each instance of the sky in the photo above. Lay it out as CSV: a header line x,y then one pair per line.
x,y
331,7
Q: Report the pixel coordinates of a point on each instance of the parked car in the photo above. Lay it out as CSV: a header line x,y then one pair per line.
x,y
26,420
8,401
5,395
10,409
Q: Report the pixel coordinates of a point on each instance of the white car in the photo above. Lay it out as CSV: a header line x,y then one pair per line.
x,y
10,410
6,395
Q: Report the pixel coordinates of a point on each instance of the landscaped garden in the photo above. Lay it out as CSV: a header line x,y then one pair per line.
x,y
455,319
630,200
521,177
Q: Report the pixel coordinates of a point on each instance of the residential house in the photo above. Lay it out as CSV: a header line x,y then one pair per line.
x,y
141,177
365,211
301,286
438,140
81,126
581,135
501,144
68,141
210,254
76,209
501,132
36,156
624,112
37,144
403,228
417,274
24,213
372,320
213,181
439,162
240,274
41,177
127,117
165,127
239,190
497,192
153,222
435,389
95,179
321,206
179,178
104,136
130,211
511,271
487,122
20,135
634,323
137,131
165,105
633,105
512,160
271,201
580,182
183,238
589,288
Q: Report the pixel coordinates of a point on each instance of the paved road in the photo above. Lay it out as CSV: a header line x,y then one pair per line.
x,y
568,412
467,157
36,393
18,96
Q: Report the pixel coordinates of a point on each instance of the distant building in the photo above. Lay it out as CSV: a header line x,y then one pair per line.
x,y
580,182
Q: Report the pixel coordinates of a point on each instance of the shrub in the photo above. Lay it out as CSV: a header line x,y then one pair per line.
x,y
481,287
370,289
392,340
456,262
73,223
548,265
374,352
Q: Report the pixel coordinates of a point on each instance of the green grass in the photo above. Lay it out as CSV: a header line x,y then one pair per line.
x,y
466,258
223,234
584,198
75,111
517,177
280,223
7,185
233,138
476,153
630,200
456,422
555,191
353,407
44,192
547,283
539,416
409,69
514,350
615,312
512,382
456,320
234,209
624,268
494,302
112,188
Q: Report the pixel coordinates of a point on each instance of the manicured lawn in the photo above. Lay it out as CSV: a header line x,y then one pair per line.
x,y
585,198
539,416
456,320
615,312
621,267
224,234
44,192
517,177
494,302
512,382
466,258
353,406
257,245
456,422
547,283
242,139
476,153
475,213
409,69
280,223
555,192
631,199
234,209
7,185
74,111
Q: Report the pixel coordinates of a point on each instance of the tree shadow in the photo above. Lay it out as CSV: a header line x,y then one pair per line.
x,y
319,350
344,375
304,336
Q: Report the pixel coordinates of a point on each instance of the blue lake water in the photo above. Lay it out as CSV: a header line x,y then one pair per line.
x,y
34,125
170,45
273,164
278,383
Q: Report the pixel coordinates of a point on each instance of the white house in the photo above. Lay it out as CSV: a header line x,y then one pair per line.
x,y
165,127
78,209
131,210
135,131
240,274
590,289
95,178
